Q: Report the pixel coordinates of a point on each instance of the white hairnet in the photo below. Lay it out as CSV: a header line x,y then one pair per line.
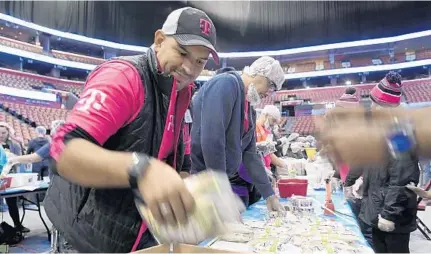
x,y
272,111
40,130
268,67
292,137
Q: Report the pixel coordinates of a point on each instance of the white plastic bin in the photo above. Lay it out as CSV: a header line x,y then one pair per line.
x,y
23,179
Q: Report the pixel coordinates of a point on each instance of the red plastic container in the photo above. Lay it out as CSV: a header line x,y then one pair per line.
x,y
290,187
5,183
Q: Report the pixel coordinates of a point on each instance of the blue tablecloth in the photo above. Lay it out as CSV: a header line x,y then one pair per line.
x,y
42,185
258,210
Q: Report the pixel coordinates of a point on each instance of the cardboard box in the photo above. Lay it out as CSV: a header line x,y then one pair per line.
x,y
180,248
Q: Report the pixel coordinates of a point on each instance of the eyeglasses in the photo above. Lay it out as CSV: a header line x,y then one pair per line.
x,y
272,86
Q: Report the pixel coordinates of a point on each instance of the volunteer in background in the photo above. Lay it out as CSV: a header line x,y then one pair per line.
x,y
11,149
387,206
124,136
39,167
224,125
242,184
41,154
352,179
268,119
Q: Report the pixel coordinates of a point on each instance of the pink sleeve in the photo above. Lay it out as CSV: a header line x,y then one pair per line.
x,y
113,97
344,171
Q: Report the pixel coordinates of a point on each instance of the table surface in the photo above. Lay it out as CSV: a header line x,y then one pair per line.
x,y
258,210
37,186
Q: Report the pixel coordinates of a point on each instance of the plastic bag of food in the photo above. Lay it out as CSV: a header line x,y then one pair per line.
x,y
216,207
266,147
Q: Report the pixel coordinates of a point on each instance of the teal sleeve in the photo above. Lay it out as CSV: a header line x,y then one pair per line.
x,y
3,158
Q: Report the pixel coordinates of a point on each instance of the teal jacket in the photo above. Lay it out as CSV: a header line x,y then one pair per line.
x,y
3,158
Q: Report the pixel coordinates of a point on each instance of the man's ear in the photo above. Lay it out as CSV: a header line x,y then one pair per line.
x,y
159,37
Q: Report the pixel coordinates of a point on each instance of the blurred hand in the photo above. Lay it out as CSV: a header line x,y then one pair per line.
x,y
165,193
339,116
355,143
419,191
274,205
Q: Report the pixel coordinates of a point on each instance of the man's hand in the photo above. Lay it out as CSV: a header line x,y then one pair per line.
x,y
165,193
385,225
274,205
7,168
419,191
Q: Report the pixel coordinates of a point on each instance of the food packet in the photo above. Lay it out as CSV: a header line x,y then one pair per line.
x,y
216,208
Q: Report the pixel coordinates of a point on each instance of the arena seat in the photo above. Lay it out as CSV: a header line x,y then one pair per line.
x,y
77,58
22,130
29,81
20,45
38,114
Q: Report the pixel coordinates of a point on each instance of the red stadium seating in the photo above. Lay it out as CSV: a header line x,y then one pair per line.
x,y
57,54
40,115
22,130
23,80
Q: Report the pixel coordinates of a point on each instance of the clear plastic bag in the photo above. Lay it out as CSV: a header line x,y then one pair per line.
x,y
216,207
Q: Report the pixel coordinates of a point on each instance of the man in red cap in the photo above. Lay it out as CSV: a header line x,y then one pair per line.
x,y
123,138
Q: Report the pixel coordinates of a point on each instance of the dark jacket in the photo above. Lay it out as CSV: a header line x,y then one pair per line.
x,y
34,145
106,220
385,194
352,176
219,141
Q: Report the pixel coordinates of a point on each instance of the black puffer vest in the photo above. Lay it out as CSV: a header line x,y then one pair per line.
x,y
106,220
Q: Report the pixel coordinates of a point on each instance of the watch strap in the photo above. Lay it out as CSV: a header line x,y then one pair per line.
x,y
138,168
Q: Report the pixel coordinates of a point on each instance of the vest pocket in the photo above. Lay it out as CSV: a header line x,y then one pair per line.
x,y
82,203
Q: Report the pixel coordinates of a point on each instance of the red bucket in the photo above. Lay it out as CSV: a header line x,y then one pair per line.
x,y
290,187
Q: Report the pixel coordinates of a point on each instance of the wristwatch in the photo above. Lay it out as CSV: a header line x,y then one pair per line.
x,y
138,169
401,138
